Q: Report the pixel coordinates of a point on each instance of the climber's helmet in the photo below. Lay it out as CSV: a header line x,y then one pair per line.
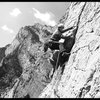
x,y
60,26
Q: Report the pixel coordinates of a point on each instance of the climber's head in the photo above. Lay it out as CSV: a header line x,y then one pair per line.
x,y
60,27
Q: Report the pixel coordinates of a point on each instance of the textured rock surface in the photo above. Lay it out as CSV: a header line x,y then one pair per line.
x,y
81,77
25,68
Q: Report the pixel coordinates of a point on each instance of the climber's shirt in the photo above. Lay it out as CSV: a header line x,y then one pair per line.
x,y
56,36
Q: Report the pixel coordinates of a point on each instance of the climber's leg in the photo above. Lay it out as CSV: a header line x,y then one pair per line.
x,y
63,59
54,46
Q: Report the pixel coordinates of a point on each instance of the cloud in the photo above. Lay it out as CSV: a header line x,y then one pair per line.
x,y
15,12
5,28
47,18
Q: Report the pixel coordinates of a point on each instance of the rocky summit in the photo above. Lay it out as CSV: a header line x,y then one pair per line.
x,y
25,69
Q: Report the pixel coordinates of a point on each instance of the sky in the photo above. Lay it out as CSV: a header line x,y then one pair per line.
x,y
14,15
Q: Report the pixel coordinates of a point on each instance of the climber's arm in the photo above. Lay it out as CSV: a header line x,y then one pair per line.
x,y
70,35
68,29
64,37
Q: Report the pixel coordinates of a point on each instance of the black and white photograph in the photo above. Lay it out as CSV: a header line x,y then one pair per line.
x,y
50,49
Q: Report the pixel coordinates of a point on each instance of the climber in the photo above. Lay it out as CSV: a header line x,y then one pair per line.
x,y
63,48
53,42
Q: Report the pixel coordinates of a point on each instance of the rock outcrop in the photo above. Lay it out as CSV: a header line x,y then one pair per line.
x,y
25,68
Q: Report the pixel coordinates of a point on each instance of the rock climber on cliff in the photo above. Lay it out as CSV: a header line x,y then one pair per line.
x,y
62,55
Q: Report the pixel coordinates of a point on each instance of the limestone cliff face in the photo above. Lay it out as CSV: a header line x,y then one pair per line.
x,y
81,76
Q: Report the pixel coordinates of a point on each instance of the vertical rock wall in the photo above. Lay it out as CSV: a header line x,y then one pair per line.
x,y
81,76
